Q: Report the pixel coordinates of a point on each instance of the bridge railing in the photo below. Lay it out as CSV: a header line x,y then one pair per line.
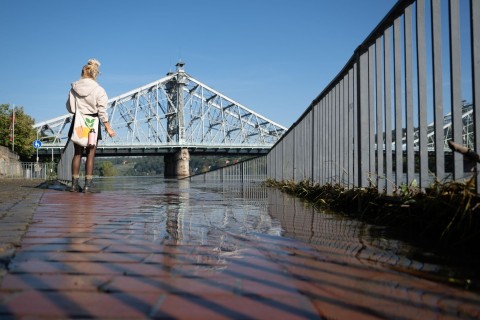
x,y
416,67
28,170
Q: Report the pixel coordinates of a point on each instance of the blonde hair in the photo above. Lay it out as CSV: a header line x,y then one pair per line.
x,y
90,70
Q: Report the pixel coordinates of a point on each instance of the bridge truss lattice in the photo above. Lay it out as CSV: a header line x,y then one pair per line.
x,y
467,131
175,111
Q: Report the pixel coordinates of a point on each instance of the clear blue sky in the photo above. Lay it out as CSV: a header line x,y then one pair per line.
x,y
273,56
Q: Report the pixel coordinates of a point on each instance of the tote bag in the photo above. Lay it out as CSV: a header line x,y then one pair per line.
x,y
81,128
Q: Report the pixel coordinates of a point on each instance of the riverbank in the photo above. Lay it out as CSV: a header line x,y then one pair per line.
x,y
18,200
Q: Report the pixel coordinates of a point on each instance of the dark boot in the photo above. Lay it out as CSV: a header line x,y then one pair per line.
x,y
75,186
89,186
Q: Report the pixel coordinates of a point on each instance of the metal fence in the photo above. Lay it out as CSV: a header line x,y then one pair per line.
x,y
252,170
28,170
371,125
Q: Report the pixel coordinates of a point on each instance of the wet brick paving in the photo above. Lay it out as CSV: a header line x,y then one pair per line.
x,y
101,256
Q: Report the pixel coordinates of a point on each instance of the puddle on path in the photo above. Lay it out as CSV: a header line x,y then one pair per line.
x,y
194,213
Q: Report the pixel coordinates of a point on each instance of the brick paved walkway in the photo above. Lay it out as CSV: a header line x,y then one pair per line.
x,y
85,257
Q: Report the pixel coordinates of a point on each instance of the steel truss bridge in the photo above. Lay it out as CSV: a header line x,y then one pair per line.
x,y
173,113
467,132
178,112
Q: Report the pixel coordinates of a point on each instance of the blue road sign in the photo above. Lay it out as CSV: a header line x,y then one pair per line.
x,y
37,144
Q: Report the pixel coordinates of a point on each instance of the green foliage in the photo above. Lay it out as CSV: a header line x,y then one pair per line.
x,y
147,166
106,169
24,132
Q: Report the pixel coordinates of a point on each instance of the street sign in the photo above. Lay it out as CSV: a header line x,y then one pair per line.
x,y
37,144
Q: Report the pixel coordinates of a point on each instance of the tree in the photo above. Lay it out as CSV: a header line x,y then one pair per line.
x,y
24,132
147,166
107,169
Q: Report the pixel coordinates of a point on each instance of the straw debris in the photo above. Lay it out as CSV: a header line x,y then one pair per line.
x,y
445,215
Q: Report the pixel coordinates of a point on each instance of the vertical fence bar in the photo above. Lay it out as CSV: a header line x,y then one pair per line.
x,y
288,156
324,141
328,158
398,102
333,162
455,80
314,144
436,26
293,150
422,93
297,145
327,133
355,97
341,127
304,161
409,94
327,136
269,166
345,170
321,139
300,152
279,156
331,135
387,53
350,139
300,149
309,149
337,134
272,163
371,113
363,121
318,160
320,127
379,105
475,39
331,109
281,165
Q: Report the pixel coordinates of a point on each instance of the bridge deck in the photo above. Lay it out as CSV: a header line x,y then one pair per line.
x,y
148,150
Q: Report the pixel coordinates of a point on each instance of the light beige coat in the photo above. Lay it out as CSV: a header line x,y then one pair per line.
x,y
89,97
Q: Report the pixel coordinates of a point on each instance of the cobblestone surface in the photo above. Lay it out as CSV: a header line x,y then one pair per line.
x,y
18,201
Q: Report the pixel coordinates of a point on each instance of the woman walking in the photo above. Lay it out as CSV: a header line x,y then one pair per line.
x,y
90,99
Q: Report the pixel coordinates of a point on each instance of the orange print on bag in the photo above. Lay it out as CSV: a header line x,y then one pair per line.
x,y
82,132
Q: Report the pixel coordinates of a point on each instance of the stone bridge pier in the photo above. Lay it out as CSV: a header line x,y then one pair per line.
x,y
177,165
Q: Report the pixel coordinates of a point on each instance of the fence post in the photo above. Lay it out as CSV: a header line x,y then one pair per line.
x,y
475,30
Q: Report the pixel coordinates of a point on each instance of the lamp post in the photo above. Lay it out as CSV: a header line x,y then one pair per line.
x,y
12,129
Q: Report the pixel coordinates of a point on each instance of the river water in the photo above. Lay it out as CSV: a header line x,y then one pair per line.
x,y
205,213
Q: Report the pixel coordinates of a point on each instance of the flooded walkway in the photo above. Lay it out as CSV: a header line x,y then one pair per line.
x,y
145,248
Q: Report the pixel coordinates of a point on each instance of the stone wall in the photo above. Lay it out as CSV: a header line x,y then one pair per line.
x,y
9,163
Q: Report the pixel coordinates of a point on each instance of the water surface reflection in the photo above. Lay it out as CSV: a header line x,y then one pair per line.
x,y
198,213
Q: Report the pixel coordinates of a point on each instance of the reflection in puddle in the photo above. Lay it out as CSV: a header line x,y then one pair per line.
x,y
342,236
180,212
